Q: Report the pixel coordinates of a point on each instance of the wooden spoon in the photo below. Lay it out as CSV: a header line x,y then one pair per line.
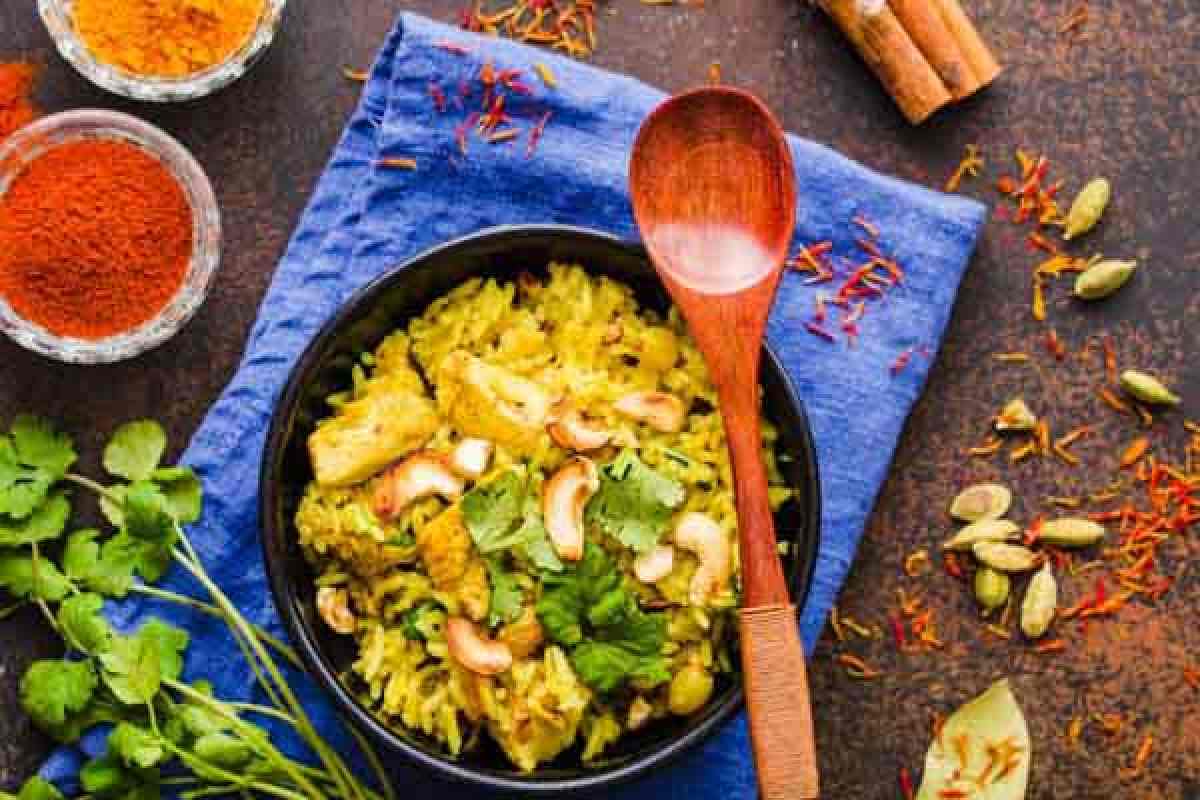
x,y
714,195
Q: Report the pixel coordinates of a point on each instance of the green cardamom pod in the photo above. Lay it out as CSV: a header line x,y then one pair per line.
x,y
1005,557
985,530
1148,388
1071,532
1041,601
991,588
1088,208
981,501
1016,416
1103,278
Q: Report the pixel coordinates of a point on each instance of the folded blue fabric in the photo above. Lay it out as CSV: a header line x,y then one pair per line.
x,y
364,219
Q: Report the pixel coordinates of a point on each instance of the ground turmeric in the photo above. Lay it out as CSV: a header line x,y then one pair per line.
x,y
166,38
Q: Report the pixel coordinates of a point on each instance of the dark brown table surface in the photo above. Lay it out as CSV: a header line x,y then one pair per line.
x,y
1123,103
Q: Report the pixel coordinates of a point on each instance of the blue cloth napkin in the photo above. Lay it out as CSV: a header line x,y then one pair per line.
x,y
364,219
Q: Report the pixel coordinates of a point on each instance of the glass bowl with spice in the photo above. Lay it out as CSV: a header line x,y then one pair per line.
x,y
110,237
162,50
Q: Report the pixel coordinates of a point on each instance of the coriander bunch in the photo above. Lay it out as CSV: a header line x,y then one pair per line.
x,y
167,735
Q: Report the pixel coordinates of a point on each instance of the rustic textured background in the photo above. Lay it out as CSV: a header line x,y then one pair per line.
x,y
1123,102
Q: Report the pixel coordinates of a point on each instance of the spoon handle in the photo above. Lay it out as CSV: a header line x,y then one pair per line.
x,y
776,684
776,678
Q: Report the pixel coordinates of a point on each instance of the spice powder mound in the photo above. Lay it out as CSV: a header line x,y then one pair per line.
x,y
95,239
166,38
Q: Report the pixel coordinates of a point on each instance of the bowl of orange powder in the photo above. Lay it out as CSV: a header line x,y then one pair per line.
x,y
110,237
162,50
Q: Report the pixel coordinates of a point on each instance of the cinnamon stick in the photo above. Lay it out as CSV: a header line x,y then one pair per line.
x,y
927,53
982,62
888,49
933,37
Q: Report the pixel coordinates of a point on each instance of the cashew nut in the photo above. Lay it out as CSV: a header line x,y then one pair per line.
x,y
334,607
653,566
570,430
661,411
700,534
563,501
471,457
474,651
420,475
639,713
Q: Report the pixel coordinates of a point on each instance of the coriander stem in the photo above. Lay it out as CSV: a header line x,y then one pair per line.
x,y
347,783
211,791
8,611
207,608
244,646
368,751
250,733
264,711
92,485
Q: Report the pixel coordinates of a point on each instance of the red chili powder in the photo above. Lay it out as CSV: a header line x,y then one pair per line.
x,y
95,239
16,110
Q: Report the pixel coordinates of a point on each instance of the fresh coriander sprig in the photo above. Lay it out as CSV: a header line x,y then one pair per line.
x,y
132,681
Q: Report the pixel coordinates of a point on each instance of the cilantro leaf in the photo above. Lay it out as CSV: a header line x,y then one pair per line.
x,y
504,515
150,528
492,510
135,449
111,505
507,597
82,623
634,503
415,624
33,457
567,597
35,789
27,578
107,778
44,523
145,512
605,666
107,569
135,666
223,750
183,491
588,610
51,689
135,746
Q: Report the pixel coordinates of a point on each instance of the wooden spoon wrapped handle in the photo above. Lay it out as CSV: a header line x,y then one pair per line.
x,y
781,727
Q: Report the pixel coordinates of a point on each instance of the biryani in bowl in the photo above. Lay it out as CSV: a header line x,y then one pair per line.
x,y
523,514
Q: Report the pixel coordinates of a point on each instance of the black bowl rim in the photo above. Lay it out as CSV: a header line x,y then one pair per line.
x,y
306,646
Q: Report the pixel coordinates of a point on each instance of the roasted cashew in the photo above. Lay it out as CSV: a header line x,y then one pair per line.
x,y
566,494
420,475
700,534
470,648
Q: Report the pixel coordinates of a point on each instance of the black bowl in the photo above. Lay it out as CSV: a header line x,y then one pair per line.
x,y
324,368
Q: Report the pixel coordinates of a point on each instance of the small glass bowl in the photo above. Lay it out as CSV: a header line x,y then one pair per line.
x,y
19,150
58,17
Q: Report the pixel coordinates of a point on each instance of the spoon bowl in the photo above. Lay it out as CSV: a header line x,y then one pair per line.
x,y
735,233
714,195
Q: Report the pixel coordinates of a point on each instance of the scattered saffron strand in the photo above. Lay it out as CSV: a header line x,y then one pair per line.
x,y
398,163
356,75
857,668
969,166
1075,19
535,136
818,331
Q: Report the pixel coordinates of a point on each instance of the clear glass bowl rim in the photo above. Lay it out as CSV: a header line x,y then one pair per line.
x,y
70,126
